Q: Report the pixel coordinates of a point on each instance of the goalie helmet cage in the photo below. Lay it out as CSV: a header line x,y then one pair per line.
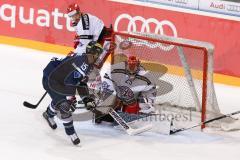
x,y
182,68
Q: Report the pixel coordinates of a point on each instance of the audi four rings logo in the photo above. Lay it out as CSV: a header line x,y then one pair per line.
x,y
145,27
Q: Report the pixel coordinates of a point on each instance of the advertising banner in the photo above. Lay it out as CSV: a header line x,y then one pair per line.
x,y
193,4
224,7
46,21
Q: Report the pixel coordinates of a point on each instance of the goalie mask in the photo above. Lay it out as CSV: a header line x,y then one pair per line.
x,y
132,65
74,13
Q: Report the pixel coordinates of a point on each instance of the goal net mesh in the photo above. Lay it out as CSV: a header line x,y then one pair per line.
x,y
181,69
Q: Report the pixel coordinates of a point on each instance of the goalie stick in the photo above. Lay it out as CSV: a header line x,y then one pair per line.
x,y
125,126
208,121
32,106
120,121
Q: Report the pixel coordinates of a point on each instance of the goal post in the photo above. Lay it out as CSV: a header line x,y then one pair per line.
x,y
181,68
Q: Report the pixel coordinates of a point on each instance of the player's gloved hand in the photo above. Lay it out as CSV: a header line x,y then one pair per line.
x,y
76,41
89,103
73,102
85,79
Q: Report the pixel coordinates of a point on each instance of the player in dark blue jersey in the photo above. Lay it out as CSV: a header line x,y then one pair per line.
x,y
61,78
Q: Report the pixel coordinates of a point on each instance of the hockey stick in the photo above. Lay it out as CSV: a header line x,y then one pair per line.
x,y
208,121
131,131
32,106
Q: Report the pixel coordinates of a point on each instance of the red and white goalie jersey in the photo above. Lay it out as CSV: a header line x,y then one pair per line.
x,y
134,90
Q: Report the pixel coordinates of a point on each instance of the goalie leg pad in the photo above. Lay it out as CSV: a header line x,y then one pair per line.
x,y
131,117
235,125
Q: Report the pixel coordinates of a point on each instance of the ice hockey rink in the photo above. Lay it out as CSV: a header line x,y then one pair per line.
x,y
25,135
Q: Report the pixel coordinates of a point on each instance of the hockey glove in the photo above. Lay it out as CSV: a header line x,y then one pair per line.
x,y
89,103
76,41
73,102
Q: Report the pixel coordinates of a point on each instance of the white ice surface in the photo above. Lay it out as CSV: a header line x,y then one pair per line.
x,y
25,135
